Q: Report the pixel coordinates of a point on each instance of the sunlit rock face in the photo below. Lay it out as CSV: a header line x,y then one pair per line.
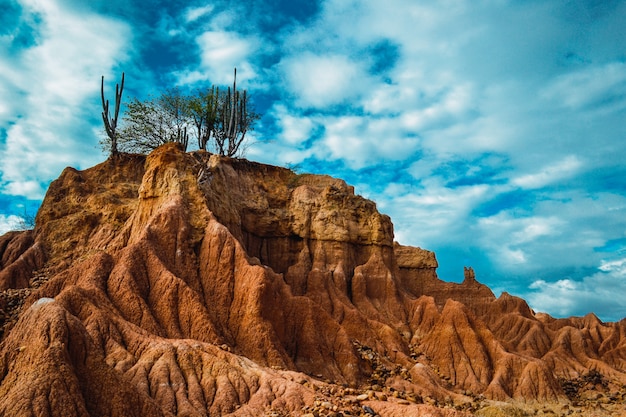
x,y
188,284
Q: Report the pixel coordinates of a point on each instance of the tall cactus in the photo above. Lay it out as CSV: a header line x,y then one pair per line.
x,y
235,121
110,123
234,106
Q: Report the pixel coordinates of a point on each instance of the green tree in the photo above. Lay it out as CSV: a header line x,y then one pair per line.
x,y
151,123
203,109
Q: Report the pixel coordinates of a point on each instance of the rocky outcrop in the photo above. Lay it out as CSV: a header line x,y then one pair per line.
x,y
195,285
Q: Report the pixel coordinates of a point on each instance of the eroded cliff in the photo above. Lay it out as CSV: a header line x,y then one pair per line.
x,y
190,284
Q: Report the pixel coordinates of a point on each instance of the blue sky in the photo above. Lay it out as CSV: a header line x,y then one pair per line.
x,y
492,132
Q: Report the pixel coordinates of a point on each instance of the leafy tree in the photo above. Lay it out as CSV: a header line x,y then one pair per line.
x,y
203,110
175,106
151,123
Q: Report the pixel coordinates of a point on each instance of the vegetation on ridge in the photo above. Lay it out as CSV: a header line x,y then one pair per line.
x,y
218,118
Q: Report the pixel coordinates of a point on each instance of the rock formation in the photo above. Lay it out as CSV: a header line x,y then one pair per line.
x,y
189,284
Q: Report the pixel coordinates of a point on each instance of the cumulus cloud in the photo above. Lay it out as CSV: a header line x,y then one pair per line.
x,y
594,293
220,52
53,83
595,86
294,130
513,240
192,14
421,213
557,171
11,222
321,81
362,141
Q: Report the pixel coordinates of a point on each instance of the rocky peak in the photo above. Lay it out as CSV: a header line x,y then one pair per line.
x,y
469,277
203,285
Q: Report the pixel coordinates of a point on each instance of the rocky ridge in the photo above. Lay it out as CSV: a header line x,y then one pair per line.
x,y
188,284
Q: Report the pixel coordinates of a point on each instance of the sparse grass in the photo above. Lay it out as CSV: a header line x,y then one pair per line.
x,y
502,411
295,180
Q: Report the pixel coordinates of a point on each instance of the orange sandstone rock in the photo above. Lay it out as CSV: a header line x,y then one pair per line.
x,y
188,284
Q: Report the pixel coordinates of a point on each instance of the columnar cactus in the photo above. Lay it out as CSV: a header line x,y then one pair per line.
x,y
235,121
110,123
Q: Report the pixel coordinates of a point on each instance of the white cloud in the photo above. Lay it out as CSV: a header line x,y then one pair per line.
x,y
289,146
194,13
11,222
362,140
512,256
278,153
220,52
510,241
591,86
452,107
223,48
560,170
429,215
54,85
388,98
618,266
594,293
324,80
30,188
295,130
518,240
556,296
536,228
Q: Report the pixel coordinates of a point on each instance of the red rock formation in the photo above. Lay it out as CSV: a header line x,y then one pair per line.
x,y
190,284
